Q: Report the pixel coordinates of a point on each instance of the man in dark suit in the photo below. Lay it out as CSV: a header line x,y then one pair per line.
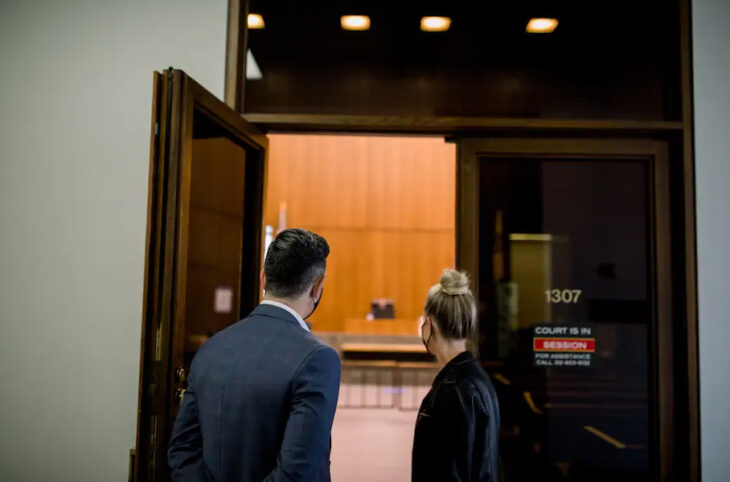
x,y
262,393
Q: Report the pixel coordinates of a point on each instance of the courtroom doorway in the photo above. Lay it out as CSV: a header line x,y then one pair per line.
x,y
567,242
387,207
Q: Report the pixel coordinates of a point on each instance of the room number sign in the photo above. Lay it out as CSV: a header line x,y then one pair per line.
x,y
563,296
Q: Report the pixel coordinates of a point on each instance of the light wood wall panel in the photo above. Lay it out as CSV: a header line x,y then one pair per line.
x,y
215,234
386,206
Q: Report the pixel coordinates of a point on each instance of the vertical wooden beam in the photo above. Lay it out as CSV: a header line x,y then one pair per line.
x,y
467,211
236,40
690,253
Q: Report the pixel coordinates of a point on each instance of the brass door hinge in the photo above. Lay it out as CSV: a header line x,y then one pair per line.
x,y
132,456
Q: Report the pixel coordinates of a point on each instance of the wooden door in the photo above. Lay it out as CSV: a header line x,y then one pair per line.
x,y
204,246
569,245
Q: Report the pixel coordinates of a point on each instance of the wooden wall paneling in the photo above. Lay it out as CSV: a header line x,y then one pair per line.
x,y
350,192
385,198
421,259
438,192
349,279
386,207
320,178
416,172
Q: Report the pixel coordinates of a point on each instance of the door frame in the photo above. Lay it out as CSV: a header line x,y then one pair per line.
x,y
679,134
176,98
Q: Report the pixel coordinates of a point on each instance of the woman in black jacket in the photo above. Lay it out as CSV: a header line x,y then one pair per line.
x,y
457,431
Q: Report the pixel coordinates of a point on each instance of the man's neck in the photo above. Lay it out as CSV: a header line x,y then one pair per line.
x,y
293,304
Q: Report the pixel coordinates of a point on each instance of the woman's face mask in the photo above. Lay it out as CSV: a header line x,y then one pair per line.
x,y
422,328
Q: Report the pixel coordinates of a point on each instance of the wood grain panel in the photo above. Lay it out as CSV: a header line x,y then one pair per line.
x,y
385,327
407,264
320,178
411,184
347,289
380,264
215,237
385,205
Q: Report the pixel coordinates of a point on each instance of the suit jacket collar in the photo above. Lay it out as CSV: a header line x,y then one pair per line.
x,y
273,311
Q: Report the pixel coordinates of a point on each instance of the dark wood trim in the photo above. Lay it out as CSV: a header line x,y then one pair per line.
x,y
690,243
655,152
213,107
170,195
254,205
236,40
151,261
159,281
665,361
467,213
185,167
449,125
560,146
467,225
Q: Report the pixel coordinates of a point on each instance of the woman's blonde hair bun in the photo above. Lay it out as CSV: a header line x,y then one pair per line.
x,y
454,283
452,306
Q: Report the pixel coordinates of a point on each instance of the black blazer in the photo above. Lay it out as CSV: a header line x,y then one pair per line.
x,y
259,405
457,432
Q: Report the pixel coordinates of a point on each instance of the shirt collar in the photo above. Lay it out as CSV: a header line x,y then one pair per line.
x,y
289,309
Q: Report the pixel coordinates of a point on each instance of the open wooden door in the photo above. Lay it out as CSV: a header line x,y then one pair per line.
x,y
204,246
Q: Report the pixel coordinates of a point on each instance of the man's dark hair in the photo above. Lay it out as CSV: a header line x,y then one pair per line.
x,y
294,260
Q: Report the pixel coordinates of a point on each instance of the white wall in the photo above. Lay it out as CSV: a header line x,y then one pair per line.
x,y
711,43
75,97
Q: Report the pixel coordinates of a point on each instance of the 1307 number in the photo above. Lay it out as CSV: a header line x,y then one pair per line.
x,y
562,296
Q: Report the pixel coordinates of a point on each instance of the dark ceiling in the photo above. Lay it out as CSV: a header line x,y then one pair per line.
x,y
606,59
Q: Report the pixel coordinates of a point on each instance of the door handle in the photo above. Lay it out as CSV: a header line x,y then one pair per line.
x,y
180,378
180,375
179,394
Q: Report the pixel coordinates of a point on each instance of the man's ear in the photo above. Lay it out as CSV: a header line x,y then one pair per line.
x,y
317,287
263,280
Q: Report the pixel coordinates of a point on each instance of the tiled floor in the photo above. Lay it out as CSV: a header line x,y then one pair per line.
x,y
372,445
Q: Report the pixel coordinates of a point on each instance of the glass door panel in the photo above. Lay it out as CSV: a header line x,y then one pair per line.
x,y
566,307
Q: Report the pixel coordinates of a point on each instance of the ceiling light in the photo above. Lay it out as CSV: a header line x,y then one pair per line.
x,y
255,21
435,24
355,22
542,25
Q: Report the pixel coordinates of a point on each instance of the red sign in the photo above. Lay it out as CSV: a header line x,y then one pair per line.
x,y
569,345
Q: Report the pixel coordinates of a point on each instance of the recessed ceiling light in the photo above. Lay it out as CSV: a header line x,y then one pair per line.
x,y
255,21
435,24
542,25
355,22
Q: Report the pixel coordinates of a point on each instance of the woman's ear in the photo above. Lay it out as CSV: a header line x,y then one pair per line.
x,y
433,326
